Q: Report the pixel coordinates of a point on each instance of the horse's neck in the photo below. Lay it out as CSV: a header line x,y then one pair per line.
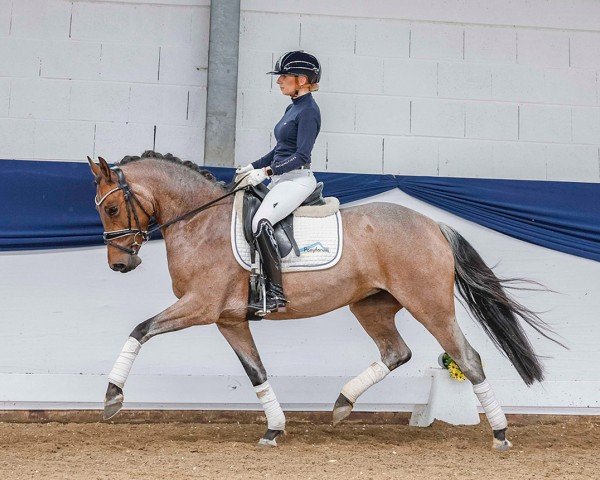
x,y
174,194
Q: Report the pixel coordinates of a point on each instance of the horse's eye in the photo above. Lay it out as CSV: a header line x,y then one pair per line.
x,y
112,210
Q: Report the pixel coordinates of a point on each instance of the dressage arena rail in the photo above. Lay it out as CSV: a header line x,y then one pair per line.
x,y
251,417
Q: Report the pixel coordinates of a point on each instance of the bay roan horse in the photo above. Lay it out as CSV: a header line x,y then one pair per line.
x,y
393,257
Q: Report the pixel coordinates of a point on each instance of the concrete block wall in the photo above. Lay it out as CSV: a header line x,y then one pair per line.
x,y
109,78
433,88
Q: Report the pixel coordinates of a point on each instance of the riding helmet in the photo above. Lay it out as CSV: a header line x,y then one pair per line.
x,y
298,63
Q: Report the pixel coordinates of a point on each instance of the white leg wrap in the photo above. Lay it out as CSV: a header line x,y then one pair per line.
x,y
120,371
359,385
491,407
275,416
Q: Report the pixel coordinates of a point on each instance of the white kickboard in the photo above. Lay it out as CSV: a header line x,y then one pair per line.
x,y
320,241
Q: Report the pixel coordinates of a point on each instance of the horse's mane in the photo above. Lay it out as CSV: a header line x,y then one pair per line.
x,y
168,157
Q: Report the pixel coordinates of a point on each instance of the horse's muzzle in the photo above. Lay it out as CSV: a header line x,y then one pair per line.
x,y
132,262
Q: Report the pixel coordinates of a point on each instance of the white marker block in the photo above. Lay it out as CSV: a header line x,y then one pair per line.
x,y
450,401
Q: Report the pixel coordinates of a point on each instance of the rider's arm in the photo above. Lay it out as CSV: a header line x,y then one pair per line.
x,y
264,161
308,129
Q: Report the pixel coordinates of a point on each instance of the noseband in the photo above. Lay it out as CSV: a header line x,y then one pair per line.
x,y
139,236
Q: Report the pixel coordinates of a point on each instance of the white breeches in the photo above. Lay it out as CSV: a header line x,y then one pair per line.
x,y
287,192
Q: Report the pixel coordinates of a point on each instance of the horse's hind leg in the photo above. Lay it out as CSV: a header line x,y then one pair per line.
x,y
376,314
445,328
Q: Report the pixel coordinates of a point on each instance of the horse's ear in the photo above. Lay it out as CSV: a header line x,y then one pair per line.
x,y
105,169
95,168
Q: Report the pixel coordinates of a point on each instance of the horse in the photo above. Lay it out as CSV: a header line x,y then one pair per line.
x,y
393,258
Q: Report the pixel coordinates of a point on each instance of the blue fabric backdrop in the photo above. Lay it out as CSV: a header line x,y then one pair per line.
x,y
50,205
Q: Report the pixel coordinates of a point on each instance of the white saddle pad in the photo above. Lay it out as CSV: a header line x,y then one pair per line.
x,y
319,238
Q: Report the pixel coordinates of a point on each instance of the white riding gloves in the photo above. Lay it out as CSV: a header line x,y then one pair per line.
x,y
256,176
245,169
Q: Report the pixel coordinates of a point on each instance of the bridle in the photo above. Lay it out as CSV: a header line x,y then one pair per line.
x,y
131,200
140,236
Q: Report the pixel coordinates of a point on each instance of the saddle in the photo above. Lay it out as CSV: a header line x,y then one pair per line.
x,y
284,230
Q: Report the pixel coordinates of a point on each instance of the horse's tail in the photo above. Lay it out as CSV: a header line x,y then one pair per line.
x,y
494,309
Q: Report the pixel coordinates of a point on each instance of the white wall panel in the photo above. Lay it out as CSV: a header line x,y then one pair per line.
x,y
41,19
496,73
585,124
70,59
57,350
354,153
16,138
392,38
40,98
585,50
129,63
464,80
412,78
331,36
63,140
438,118
91,64
99,101
115,140
545,123
382,115
435,41
465,158
411,156
4,96
487,120
489,44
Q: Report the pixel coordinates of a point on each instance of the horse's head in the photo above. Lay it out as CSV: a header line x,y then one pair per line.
x,y
125,215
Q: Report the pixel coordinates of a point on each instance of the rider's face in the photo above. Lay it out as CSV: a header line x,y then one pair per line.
x,y
289,83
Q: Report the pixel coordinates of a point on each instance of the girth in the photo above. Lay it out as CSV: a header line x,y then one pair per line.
x,y
284,230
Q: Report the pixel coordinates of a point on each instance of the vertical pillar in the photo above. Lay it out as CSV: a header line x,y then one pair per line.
x,y
221,95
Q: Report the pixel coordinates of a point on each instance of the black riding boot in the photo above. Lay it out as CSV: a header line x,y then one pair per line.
x,y
271,266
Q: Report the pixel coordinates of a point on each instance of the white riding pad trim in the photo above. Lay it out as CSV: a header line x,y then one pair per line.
x,y
491,407
122,367
332,205
360,384
273,411
320,241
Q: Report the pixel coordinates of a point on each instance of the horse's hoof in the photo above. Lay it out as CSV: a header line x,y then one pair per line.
x,y
268,439
501,445
341,409
113,402
266,443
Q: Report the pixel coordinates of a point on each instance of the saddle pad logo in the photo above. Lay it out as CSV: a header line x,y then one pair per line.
x,y
314,248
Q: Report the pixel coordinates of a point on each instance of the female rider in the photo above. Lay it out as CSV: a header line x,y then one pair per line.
x,y
287,165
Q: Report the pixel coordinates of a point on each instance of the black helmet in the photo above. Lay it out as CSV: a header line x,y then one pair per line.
x,y
298,63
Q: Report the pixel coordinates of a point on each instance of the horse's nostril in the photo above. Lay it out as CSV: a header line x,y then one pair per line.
x,y
118,267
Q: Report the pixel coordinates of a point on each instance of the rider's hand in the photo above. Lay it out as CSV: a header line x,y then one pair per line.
x,y
257,176
245,169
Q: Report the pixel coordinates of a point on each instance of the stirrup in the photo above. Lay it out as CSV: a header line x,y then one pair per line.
x,y
270,305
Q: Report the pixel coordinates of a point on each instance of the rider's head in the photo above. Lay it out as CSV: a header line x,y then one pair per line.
x,y
299,72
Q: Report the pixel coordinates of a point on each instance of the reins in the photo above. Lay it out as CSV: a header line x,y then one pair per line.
x,y
199,209
130,198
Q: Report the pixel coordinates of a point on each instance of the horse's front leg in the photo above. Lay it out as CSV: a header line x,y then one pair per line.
x,y
238,334
184,313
